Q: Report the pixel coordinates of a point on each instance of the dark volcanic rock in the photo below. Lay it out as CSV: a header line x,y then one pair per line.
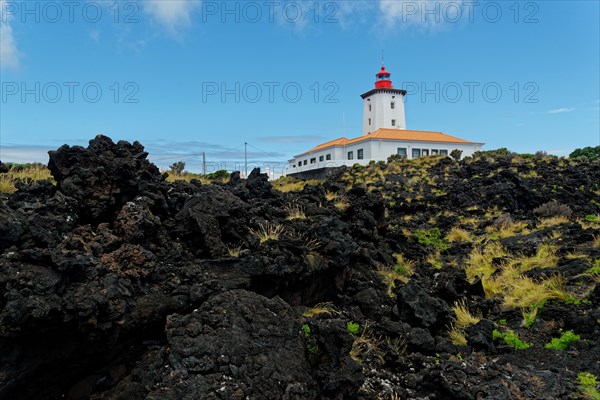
x,y
417,307
237,345
479,336
115,284
3,168
103,176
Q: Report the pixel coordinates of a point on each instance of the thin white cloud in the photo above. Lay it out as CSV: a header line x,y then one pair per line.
x,y
423,15
560,110
9,53
95,35
25,153
561,152
291,139
350,13
173,15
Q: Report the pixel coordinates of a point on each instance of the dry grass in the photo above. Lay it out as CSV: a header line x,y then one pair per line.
x,y
330,196
552,221
469,221
481,260
341,204
525,292
596,243
321,308
575,256
289,184
294,211
33,173
517,290
464,317
529,315
312,244
435,260
234,250
365,344
545,257
400,271
189,176
312,259
457,234
403,266
457,336
267,232
511,229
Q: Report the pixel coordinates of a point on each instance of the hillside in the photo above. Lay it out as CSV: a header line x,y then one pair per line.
x,y
414,279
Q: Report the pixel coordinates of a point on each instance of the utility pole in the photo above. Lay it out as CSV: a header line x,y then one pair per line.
x,y
203,163
246,159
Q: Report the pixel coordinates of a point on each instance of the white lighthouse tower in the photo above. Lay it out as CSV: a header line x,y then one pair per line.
x,y
383,107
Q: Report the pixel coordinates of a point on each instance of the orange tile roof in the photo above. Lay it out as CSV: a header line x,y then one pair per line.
x,y
394,134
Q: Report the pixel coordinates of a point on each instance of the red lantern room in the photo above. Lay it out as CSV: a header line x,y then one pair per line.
x,y
383,79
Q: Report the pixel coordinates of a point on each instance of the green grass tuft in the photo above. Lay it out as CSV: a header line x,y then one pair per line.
x,y
511,339
563,341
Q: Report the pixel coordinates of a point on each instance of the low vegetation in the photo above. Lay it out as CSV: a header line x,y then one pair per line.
x,y
562,342
588,384
268,231
510,338
391,265
25,173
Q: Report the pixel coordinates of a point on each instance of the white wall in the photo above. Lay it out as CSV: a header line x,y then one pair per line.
x,y
376,150
381,113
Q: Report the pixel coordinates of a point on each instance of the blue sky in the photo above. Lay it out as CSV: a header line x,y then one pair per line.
x,y
185,77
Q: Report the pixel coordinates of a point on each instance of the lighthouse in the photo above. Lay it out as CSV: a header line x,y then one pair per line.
x,y
383,106
384,134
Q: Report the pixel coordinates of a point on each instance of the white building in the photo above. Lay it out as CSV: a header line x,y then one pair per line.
x,y
384,133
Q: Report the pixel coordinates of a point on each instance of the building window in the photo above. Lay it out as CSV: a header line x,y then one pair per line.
x,y
402,152
350,155
393,122
305,162
369,121
369,107
294,166
425,152
393,105
313,160
359,154
416,153
328,157
321,158
443,152
434,152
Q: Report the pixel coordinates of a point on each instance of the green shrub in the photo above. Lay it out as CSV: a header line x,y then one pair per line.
x,y
218,175
587,384
595,270
591,218
306,330
394,158
511,339
501,152
456,154
352,327
587,379
592,153
177,167
311,342
563,341
431,237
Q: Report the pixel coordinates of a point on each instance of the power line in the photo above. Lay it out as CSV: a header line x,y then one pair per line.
x,y
265,152
176,157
